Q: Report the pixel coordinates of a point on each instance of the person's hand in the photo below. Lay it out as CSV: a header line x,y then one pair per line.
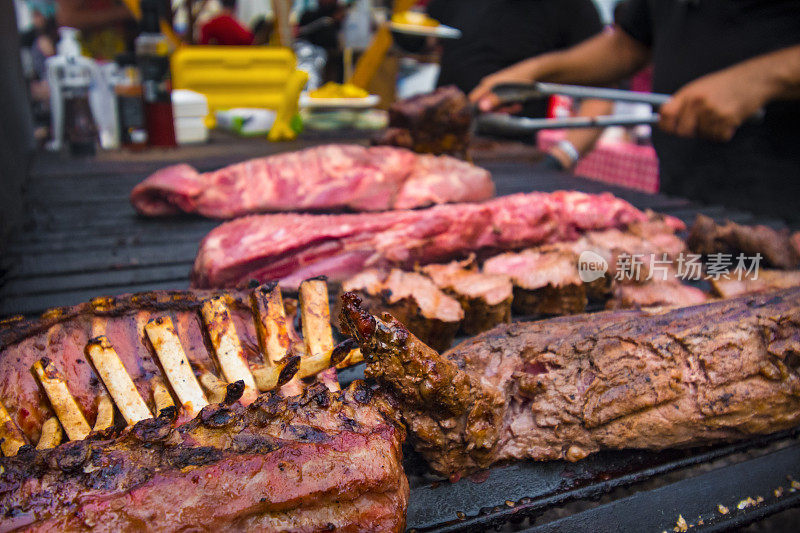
x,y
714,106
482,94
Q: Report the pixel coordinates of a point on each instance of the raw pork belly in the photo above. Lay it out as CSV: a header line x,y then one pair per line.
x,y
331,177
293,247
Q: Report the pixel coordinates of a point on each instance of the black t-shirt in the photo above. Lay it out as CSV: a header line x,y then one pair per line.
x,y
760,168
498,33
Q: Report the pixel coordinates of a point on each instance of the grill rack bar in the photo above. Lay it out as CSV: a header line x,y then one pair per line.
x,y
473,507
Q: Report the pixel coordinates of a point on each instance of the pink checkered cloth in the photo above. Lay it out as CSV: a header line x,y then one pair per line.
x,y
616,162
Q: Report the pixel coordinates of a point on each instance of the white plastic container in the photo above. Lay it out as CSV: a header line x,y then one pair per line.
x,y
189,109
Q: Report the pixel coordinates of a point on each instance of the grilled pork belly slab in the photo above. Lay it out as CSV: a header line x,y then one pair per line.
x,y
320,461
570,386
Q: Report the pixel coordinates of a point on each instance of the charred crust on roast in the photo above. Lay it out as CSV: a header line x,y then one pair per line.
x,y
362,393
218,416
181,457
71,456
170,413
233,392
308,434
354,320
341,350
267,287
152,429
292,363
250,443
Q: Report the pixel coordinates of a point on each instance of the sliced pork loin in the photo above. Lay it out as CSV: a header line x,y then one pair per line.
x,y
412,298
331,177
776,247
765,280
485,298
292,247
545,283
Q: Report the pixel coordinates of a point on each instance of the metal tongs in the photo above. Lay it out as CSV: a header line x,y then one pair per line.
x,y
513,93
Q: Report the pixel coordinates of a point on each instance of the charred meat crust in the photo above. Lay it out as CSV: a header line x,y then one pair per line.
x,y
708,237
259,453
435,323
550,300
479,315
437,333
567,387
463,413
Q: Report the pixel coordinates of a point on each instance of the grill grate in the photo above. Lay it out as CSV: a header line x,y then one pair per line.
x,y
84,240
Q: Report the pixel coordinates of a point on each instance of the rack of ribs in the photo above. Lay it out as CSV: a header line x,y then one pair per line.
x,y
173,411
568,387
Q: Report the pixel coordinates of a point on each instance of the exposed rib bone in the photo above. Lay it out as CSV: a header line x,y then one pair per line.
x,y
105,412
61,399
229,351
165,406
269,316
316,318
167,346
272,377
117,380
215,387
52,434
11,437
353,358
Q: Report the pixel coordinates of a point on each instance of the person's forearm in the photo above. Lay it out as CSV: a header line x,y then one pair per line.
x,y
714,106
601,60
583,139
86,19
779,72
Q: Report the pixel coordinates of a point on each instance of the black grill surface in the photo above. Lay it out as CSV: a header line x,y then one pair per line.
x,y
83,239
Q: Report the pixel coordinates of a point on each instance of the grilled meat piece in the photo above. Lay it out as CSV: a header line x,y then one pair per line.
x,y
708,237
436,123
655,293
570,386
315,462
62,334
331,177
544,282
767,280
290,248
413,298
485,298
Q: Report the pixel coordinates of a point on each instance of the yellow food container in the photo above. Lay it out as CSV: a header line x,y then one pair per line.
x,y
243,76
414,18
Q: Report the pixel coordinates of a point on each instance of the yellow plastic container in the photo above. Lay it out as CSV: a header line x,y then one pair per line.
x,y
243,76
